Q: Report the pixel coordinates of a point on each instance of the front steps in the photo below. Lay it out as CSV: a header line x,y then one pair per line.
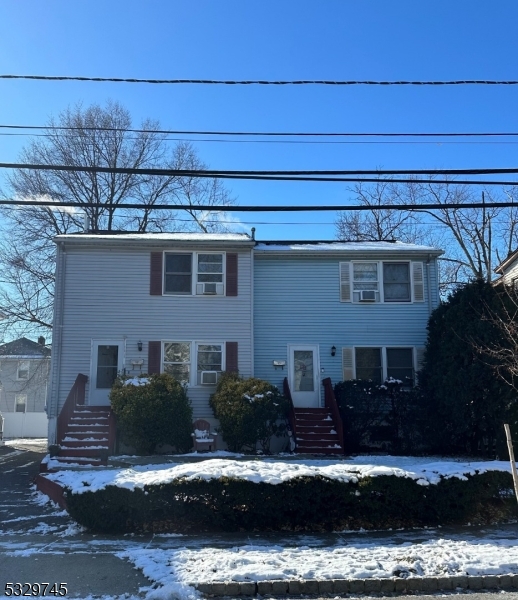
x,y
87,437
316,432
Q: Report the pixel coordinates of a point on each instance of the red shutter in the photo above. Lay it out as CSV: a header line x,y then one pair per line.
x,y
231,275
153,357
155,280
231,357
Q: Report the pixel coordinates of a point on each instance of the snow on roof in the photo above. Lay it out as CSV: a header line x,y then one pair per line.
x,y
343,247
150,237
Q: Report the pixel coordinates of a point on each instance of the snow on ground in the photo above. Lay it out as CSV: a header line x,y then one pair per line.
x,y
174,570
424,472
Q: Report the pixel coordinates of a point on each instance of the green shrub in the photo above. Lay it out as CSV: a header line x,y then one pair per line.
x,y
465,402
157,412
249,412
379,416
301,504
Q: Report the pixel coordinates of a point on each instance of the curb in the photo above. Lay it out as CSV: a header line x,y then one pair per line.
x,y
396,585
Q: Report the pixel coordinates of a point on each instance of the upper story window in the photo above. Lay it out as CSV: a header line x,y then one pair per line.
x,y
396,282
198,273
193,274
381,281
23,370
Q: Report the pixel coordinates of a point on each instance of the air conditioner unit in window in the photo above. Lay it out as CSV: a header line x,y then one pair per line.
x,y
209,377
367,296
209,289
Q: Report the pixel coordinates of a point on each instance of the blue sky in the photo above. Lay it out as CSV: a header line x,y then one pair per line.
x,y
276,39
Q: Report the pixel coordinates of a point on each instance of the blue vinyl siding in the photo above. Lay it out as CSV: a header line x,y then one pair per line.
x,y
297,301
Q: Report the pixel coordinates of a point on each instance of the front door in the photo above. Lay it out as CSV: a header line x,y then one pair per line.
x,y
107,362
304,377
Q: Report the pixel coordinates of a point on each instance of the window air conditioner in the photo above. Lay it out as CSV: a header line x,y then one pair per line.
x,y
209,377
367,296
209,289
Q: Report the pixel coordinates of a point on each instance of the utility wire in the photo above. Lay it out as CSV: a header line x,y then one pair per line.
x,y
265,173
320,176
262,81
267,133
262,208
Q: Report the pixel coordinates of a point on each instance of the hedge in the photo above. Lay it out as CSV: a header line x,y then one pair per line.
x,y
301,504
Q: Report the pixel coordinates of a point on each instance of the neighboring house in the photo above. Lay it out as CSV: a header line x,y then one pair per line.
x,y
508,270
195,305
24,375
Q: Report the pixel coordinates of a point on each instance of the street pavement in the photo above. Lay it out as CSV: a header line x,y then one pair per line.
x,y
40,543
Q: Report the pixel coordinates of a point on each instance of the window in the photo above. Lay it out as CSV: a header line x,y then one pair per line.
x,y
396,282
400,365
178,273
365,276
177,360
205,270
210,363
380,364
23,370
368,364
206,360
20,403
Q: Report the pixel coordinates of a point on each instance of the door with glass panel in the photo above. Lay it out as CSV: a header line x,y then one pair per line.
x,y
303,377
107,361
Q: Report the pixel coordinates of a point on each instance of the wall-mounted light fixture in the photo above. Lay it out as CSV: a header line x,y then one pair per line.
x,y
139,346
333,350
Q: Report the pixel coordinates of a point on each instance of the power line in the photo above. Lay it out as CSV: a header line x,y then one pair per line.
x,y
321,176
262,81
270,133
262,208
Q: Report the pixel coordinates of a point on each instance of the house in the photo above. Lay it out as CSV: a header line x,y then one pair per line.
x,y
195,305
24,374
336,311
145,303
508,270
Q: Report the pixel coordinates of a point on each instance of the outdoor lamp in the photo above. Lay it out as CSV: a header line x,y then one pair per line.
x,y
333,350
139,346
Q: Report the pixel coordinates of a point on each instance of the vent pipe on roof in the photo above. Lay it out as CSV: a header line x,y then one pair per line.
x,y
253,233
41,341
86,223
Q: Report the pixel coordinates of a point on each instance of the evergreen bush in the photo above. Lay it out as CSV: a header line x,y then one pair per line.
x,y
250,412
379,416
301,504
464,402
152,411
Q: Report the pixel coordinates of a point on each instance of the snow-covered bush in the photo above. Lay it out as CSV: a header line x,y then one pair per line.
x,y
152,411
250,412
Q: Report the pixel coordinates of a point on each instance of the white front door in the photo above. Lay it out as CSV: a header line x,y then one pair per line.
x,y
107,361
304,377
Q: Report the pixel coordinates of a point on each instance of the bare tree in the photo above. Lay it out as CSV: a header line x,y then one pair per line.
x,y
380,224
93,136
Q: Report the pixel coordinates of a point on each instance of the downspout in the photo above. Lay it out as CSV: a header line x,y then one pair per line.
x,y
428,285
252,294
57,343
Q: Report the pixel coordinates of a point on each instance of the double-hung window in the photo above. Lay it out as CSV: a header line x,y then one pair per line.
x,y
20,403
23,370
178,273
365,280
177,360
400,365
209,274
209,359
396,282
369,365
